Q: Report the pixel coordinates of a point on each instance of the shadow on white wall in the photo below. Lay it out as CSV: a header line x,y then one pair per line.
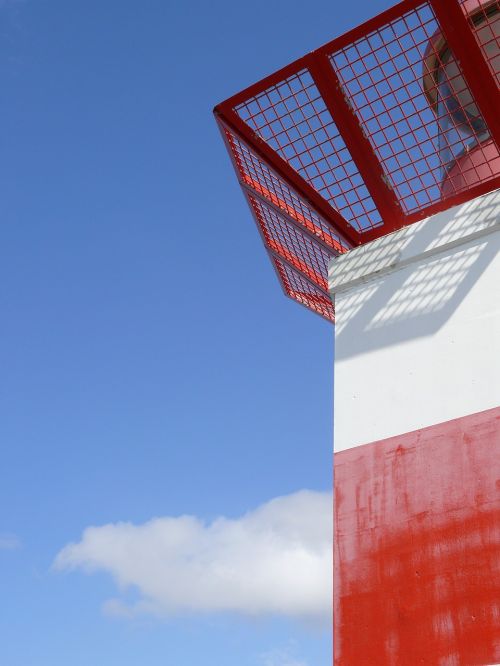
x,y
409,284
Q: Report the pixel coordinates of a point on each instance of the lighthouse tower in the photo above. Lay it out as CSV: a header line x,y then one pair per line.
x,y
372,169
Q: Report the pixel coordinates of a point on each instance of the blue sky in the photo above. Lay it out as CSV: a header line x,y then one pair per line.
x,y
151,367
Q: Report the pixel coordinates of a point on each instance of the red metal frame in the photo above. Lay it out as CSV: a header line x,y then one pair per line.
x,y
369,166
467,51
342,144
281,167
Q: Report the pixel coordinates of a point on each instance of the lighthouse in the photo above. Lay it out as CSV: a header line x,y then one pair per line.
x,y
372,169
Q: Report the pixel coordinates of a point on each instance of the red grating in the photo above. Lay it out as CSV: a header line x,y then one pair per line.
x,y
375,130
293,119
290,243
485,19
262,181
416,143
301,290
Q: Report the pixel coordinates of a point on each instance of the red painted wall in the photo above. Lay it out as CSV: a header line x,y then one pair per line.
x,y
417,547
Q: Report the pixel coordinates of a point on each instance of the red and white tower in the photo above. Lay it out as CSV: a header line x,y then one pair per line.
x,y
372,168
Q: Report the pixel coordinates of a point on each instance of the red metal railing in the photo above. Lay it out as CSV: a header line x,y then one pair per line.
x,y
386,125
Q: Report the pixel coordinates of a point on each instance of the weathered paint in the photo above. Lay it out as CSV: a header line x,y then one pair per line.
x,y
417,547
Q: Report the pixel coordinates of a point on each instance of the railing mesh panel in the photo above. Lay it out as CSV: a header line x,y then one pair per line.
x,y
293,119
486,21
292,244
298,288
416,135
257,175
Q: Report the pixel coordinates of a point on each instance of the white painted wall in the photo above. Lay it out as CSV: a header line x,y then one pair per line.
x,y
417,335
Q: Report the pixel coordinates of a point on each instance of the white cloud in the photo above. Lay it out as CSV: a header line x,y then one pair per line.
x,y
9,542
276,559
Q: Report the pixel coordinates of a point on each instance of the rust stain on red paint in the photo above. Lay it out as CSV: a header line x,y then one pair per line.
x,y
417,547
